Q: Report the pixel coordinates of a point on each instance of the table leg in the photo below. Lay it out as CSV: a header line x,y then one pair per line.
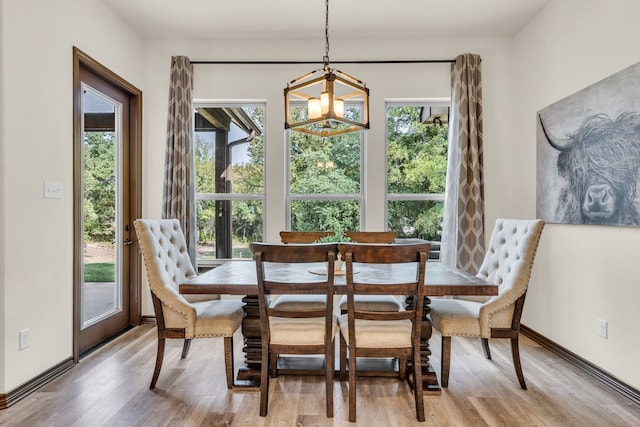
x,y
250,370
429,379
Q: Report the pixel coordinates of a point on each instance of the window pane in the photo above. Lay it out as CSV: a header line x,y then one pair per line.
x,y
101,290
325,215
245,227
225,161
416,218
325,165
229,163
416,153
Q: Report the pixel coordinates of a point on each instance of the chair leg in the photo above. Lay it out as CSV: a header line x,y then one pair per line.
x,y
445,361
417,385
159,358
228,360
274,365
485,347
402,368
515,353
264,382
343,358
352,387
186,347
329,369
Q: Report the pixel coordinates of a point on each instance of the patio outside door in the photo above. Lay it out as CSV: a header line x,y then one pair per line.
x,y
105,273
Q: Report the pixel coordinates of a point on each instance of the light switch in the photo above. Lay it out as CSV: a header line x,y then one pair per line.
x,y
52,190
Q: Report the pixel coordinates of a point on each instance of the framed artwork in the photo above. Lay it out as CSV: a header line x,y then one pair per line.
x,y
588,154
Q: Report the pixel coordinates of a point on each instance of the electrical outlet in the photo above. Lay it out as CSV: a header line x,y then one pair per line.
x,y
24,339
603,328
52,190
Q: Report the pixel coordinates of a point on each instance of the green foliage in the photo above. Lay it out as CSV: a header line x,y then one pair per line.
x,y
416,152
99,186
314,215
99,272
321,167
417,164
337,237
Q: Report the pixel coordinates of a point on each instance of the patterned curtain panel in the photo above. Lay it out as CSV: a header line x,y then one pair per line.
x,y
463,227
178,198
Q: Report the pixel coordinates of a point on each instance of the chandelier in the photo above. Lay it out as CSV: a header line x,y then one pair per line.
x,y
325,97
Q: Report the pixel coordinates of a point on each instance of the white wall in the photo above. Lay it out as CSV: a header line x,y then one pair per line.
x,y
582,273
36,115
2,202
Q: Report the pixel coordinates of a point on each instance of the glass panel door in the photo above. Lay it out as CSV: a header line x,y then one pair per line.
x,y
101,290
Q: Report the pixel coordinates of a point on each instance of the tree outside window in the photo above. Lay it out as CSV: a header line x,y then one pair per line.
x,y
416,173
325,176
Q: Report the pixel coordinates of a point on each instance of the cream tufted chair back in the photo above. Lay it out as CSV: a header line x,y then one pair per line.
x,y
167,261
508,263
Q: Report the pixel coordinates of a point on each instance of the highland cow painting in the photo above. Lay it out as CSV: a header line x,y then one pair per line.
x,y
588,148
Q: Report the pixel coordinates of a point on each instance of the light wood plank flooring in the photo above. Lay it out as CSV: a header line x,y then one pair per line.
x,y
110,388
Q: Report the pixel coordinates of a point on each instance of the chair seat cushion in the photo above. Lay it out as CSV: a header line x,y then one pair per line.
x,y
372,303
378,333
455,317
299,331
200,297
218,318
300,302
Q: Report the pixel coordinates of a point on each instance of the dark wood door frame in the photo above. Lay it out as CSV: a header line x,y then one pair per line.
x,y
82,60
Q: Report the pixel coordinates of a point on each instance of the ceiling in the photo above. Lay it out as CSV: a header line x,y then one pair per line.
x,y
207,19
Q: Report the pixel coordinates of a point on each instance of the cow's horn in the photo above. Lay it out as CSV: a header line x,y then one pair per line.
x,y
554,142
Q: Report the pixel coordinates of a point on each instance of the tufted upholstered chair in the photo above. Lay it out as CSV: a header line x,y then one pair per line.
x,y
301,329
507,263
167,263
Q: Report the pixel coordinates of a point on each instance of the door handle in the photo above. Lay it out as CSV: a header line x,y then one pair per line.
x,y
127,242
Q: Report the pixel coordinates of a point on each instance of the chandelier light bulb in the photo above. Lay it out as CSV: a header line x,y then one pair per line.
x,y
315,109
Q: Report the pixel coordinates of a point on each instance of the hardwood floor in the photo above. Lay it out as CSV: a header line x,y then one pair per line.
x,y
111,388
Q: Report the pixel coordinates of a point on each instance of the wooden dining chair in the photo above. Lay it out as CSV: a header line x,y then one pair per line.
x,y
372,302
371,236
303,236
167,263
302,330
395,334
508,263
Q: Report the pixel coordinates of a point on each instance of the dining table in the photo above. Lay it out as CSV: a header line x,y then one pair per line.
x,y
238,277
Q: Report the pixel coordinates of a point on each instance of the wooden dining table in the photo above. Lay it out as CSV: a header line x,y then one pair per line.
x,y
238,277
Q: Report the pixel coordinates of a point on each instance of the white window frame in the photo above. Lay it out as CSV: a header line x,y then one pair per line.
x,y
440,197
289,198
234,196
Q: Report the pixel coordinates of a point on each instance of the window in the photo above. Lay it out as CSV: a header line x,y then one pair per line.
x,y
230,193
325,190
416,170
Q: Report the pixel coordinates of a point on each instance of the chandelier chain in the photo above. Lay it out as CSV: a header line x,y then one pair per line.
x,y
326,35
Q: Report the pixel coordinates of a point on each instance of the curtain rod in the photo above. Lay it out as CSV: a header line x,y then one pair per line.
x,y
388,61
